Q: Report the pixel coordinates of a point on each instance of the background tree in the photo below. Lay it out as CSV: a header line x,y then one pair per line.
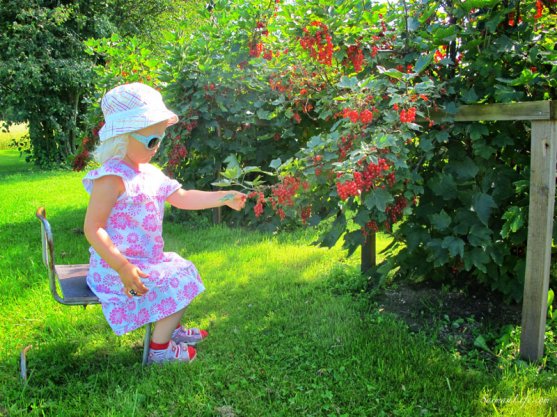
x,y
45,74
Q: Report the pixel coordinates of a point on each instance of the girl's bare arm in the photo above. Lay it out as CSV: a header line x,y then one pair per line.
x,y
104,196
199,200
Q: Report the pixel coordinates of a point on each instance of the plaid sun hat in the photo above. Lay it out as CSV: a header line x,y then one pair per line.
x,y
132,107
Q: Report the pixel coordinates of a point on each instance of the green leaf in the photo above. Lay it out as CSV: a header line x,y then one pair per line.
x,y
469,5
437,253
423,62
444,186
428,13
232,161
455,245
463,219
336,231
348,82
444,33
314,142
413,24
479,235
483,150
378,199
426,144
451,108
483,205
477,131
314,220
442,136
514,220
275,163
480,343
464,168
352,241
493,23
476,258
264,114
222,183
470,96
362,217
232,173
441,220
393,73
250,169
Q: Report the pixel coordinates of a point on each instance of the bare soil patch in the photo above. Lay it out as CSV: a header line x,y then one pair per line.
x,y
456,318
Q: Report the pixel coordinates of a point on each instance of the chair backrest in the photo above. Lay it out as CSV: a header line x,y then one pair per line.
x,y
48,252
71,280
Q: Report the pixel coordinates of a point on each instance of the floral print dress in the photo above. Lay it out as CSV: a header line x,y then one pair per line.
x,y
135,227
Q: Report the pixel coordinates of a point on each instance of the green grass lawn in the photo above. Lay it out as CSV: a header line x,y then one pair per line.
x,y
288,336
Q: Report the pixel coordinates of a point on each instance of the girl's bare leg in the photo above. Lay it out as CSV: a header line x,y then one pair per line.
x,y
164,327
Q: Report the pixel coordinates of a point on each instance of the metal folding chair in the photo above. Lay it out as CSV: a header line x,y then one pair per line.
x,y
71,279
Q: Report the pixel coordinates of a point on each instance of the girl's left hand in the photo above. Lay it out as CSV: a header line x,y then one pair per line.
x,y
234,199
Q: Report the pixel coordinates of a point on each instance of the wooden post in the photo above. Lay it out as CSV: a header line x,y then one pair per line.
x,y
217,215
540,229
368,258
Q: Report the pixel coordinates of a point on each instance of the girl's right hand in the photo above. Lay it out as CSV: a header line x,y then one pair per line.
x,y
131,279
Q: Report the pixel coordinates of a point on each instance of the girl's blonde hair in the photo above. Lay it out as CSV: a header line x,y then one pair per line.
x,y
115,147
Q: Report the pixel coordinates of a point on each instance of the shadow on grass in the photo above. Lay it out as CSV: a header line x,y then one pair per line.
x,y
279,340
11,162
267,353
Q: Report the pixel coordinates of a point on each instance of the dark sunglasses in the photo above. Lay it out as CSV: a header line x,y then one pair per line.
x,y
150,142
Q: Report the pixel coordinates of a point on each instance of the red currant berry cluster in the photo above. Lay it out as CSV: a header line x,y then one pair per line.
x,y
370,226
255,49
285,191
365,117
319,44
305,214
177,153
406,116
372,176
259,205
347,189
356,56
394,211
345,146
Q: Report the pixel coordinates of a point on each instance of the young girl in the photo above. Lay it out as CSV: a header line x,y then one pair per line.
x,y
136,282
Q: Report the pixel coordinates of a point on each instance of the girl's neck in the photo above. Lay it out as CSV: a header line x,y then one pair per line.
x,y
130,163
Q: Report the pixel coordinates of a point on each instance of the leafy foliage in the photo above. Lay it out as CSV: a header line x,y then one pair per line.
x,y
328,113
471,222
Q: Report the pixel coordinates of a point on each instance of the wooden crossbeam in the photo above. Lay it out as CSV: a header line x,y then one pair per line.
x,y
534,110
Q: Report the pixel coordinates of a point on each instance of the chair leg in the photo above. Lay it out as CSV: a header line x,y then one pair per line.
x,y
146,343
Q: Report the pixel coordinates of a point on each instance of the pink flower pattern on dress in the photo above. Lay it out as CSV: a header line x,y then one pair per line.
x,y
132,238
142,317
150,223
134,251
167,306
118,315
190,291
120,220
117,239
150,206
135,226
